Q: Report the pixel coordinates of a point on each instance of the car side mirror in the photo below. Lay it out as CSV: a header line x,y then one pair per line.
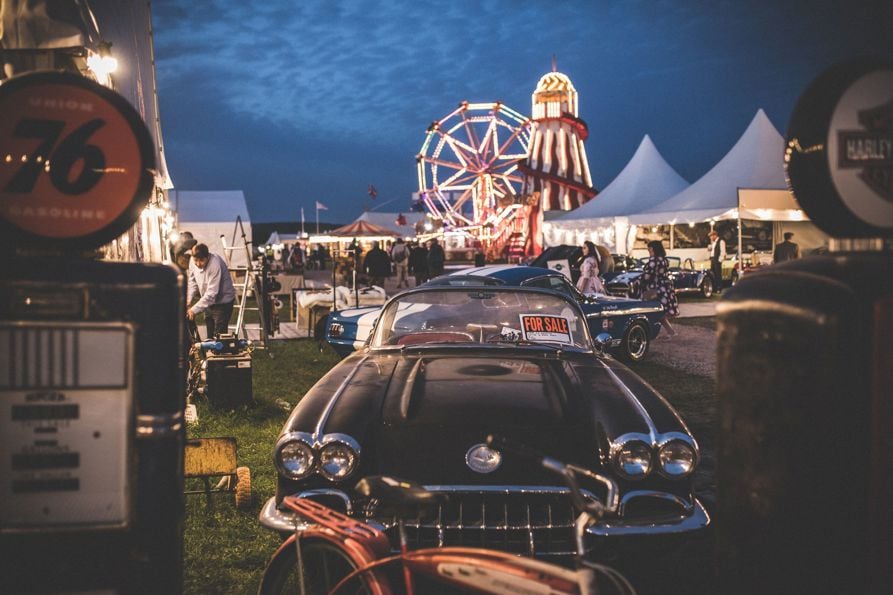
x,y
602,342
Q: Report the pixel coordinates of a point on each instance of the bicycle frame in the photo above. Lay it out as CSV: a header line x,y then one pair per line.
x,y
473,569
368,550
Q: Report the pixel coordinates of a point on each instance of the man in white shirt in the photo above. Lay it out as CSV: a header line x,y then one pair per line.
x,y
210,281
717,250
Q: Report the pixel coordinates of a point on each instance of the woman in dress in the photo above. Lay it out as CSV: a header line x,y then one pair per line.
x,y
589,281
656,275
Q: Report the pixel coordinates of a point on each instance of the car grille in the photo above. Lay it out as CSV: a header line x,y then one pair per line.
x,y
620,289
533,523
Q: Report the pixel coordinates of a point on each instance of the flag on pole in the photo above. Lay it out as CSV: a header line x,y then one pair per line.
x,y
372,191
321,207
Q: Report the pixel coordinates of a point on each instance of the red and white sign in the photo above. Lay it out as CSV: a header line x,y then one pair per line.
x,y
546,328
76,160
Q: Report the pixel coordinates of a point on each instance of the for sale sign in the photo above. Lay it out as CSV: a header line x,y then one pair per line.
x,y
76,161
546,328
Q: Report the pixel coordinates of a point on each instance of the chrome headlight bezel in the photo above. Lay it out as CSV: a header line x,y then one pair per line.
x,y
300,440
346,444
632,442
672,440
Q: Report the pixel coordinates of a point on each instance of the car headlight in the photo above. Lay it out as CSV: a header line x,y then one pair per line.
x,y
677,458
338,457
294,457
633,459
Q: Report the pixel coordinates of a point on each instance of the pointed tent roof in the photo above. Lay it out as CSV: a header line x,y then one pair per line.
x,y
389,221
754,162
647,180
360,228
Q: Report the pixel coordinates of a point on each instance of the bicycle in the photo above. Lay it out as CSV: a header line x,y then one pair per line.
x,y
338,554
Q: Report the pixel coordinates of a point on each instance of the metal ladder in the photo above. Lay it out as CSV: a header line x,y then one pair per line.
x,y
247,281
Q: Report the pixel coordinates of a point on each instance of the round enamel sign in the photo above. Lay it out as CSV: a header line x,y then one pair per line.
x,y
76,162
839,155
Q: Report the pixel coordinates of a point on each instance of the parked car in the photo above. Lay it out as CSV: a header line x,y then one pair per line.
x,y
632,323
448,365
686,277
572,255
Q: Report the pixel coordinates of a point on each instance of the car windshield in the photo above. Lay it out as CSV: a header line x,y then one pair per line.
x,y
492,315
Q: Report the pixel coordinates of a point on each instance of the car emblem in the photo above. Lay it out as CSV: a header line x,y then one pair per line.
x,y
480,458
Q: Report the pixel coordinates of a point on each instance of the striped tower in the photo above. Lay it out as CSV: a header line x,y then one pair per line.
x,y
557,170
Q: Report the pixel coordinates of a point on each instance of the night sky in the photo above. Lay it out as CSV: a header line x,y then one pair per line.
x,y
295,102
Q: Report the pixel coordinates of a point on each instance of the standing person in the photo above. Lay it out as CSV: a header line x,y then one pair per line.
x,y
436,258
589,281
400,257
377,265
418,263
296,258
787,250
656,275
717,250
210,281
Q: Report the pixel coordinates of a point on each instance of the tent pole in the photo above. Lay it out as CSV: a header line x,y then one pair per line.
x,y
740,255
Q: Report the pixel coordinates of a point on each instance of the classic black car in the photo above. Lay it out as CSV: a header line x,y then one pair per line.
x,y
448,365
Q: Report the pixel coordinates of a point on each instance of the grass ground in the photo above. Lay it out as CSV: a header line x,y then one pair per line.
x,y
226,549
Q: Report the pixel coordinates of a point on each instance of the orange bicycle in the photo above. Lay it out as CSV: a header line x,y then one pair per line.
x,y
337,554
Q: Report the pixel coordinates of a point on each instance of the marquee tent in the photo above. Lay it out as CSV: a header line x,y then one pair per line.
x,y
647,180
208,215
389,221
364,229
748,183
753,168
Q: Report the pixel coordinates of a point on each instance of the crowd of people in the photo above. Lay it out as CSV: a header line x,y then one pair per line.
x,y
411,263
421,260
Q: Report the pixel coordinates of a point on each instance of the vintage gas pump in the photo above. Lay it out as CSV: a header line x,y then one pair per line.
x,y
805,376
91,363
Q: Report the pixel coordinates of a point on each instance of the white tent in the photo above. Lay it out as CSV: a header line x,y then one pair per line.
x,y
755,164
748,183
647,180
208,215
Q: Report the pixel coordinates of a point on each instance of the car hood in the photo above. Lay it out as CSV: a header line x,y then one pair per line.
x,y
417,415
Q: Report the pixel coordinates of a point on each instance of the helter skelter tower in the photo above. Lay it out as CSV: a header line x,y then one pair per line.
x,y
556,170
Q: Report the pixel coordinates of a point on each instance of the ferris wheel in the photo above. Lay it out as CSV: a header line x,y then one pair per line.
x,y
468,165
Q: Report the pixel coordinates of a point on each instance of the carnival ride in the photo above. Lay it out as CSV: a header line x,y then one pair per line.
x,y
490,173
468,169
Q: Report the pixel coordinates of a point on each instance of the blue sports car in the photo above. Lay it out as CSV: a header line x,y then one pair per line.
x,y
632,323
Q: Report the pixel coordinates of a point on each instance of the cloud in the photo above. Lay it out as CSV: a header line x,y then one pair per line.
x,y
322,97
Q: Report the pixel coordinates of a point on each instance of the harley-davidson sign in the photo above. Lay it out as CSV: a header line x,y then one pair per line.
x,y
871,149
839,158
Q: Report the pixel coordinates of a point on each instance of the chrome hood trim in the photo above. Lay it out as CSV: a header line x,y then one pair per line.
x,y
327,412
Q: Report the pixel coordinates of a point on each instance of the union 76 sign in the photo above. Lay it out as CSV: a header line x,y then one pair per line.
x,y
76,161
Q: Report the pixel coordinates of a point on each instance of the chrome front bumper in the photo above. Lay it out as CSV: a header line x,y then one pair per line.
x,y
695,519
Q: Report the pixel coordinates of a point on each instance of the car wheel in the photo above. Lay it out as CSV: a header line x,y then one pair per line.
x,y
324,566
635,344
707,287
